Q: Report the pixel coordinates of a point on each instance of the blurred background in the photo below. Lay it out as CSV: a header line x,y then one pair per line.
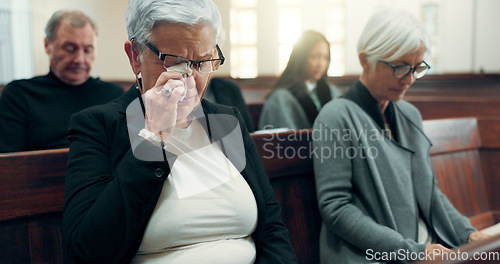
x,y
259,34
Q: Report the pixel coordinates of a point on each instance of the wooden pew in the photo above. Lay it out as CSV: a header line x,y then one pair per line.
x,y
31,203
432,107
459,169
436,96
290,171
465,159
254,111
458,158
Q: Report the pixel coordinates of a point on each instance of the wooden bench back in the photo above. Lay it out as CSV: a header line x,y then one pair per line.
x,y
459,168
465,159
31,203
286,158
455,156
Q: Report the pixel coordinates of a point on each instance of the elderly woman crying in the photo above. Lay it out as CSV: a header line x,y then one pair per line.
x,y
160,175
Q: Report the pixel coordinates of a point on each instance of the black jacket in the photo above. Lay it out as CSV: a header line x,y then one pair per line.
x,y
110,195
34,113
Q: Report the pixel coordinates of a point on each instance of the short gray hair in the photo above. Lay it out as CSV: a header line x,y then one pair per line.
x,y
391,34
143,15
77,20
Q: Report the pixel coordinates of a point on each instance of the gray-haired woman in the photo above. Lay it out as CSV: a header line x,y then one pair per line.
x,y
158,177
377,193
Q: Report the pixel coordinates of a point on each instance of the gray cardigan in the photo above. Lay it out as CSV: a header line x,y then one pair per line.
x,y
371,188
283,110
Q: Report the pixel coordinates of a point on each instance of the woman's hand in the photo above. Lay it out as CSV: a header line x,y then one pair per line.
x,y
435,251
161,103
477,236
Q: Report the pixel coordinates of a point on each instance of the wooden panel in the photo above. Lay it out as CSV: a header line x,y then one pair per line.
x,y
286,153
438,86
483,220
45,235
490,159
436,96
489,129
430,109
286,158
297,196
455,159
451,135
442,87
14,242
254,111
460,178
35,183
437,108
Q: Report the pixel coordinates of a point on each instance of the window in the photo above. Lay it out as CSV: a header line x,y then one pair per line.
x,y
430,20
15,41
262,33
289,29
243,38
335,33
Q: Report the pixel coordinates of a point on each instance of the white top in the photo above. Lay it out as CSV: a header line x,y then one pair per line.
x,y
424,237
206,211
311,88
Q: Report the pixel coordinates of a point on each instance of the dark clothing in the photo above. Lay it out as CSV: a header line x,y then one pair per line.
x,y
292,108
110,195
34,113
228,93
304,97
359,94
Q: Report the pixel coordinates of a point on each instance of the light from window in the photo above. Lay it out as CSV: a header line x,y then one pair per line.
x,y
335,33
289,31
243,36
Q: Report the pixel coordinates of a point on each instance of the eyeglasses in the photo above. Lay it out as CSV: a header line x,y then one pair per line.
x,y
204,66
402,70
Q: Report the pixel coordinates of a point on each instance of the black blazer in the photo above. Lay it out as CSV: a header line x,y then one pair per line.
x,y
110,195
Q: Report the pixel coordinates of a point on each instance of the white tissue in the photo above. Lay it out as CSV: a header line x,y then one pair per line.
x,y
186,71
182,68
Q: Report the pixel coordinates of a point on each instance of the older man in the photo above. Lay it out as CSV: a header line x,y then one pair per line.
x,y
34,113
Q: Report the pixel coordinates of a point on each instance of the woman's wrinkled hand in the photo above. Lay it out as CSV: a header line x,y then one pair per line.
x,y
435,251
477,236
161,103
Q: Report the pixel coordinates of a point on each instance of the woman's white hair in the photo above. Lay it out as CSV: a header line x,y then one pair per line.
x,y
143,15
391,34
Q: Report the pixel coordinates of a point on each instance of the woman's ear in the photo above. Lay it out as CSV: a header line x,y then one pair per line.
x,y
133,56
363,60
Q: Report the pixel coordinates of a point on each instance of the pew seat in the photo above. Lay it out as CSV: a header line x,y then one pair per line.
x,y
431,107
464,156
31,203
